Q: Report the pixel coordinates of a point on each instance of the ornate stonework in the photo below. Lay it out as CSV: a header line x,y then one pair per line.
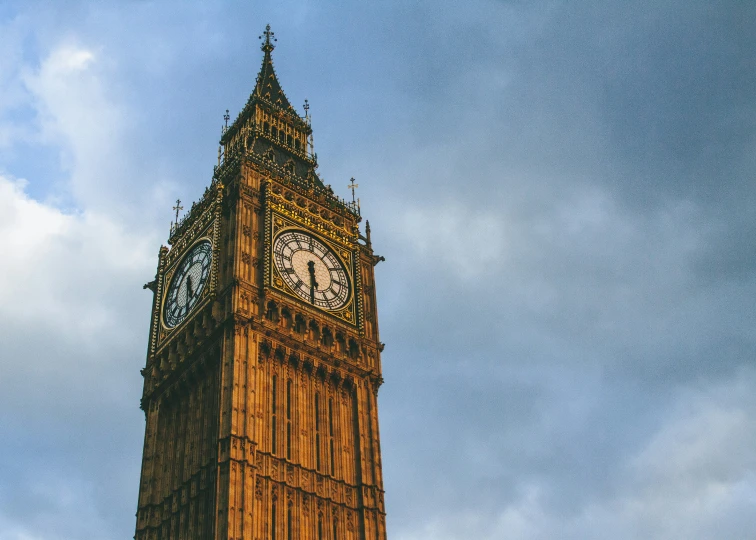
x,y
261,405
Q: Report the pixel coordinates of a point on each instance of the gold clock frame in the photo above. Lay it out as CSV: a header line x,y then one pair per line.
x,y
168,278
278,224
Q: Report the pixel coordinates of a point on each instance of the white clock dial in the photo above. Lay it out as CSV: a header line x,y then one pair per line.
x,y
187,283
311,270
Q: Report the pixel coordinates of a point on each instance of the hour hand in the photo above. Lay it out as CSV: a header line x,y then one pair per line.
x,y
313,283
189,292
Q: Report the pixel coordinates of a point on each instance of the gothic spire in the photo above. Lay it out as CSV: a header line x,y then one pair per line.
x,y
268,87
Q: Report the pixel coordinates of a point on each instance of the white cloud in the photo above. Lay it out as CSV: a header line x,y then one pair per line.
x,y
78,111
464,241
60,268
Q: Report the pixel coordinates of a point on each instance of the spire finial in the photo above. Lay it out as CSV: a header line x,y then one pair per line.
x,y
353,186
268,45
178,208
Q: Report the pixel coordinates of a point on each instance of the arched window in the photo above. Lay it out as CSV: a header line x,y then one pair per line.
x,y
300,325
335,529
327,339
286,318
314,331
272,312
320,527
354,349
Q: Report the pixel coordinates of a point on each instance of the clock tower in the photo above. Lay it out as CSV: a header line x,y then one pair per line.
x,y
263,364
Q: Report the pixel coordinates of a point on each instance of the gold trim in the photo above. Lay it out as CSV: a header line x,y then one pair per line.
x,y
341,250
168,281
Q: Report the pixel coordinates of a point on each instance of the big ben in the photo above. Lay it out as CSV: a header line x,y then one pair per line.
x,y
263,363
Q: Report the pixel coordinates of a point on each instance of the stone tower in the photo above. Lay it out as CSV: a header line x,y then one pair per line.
x,y
263,365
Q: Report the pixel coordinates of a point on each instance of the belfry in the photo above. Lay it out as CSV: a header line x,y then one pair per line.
x,y
263,364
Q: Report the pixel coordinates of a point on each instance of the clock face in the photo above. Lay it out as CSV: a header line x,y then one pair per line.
x,y
311,269
187,283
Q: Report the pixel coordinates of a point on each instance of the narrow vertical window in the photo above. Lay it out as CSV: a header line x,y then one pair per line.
x,y
320,528
288,419
335,529
317,431
273,417
273,521
330,437
289,530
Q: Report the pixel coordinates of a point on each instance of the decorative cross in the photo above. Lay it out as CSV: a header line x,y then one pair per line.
x,y
352,186
267,45
178,208
226,118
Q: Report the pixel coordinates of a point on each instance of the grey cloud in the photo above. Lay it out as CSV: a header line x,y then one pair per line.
x,y
612,146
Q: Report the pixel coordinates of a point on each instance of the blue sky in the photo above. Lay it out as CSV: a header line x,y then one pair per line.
x,y
564,195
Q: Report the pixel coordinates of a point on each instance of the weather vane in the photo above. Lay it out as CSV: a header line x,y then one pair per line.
x,y
353,186
269,35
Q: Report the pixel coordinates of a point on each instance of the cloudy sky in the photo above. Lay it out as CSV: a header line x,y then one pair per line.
x,y
564,193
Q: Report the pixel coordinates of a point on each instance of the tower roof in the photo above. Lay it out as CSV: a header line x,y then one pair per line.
x,y
267,86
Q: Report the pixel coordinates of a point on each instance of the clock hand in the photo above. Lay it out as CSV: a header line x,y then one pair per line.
x,y
313,283
189,292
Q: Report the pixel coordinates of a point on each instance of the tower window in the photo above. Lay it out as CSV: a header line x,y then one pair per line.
x,y
317,432
266,128
289,528
273,417
297,144
300,326
288,419
330,435
335,529
274,132
273,521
